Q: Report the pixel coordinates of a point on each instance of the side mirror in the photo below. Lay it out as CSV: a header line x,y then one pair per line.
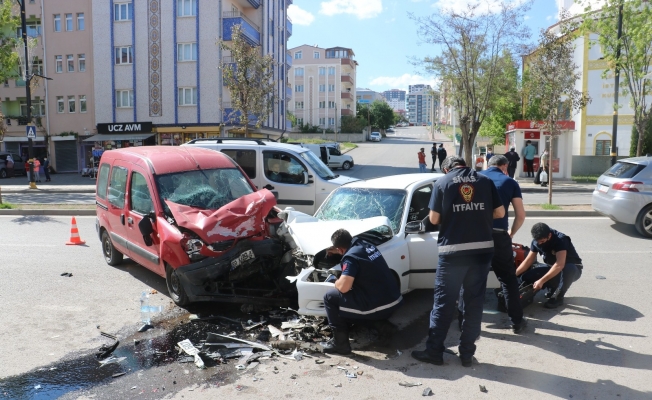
x,y
146,229
307,179
415,227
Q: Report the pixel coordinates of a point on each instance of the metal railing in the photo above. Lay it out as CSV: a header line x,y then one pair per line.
x,y
238,14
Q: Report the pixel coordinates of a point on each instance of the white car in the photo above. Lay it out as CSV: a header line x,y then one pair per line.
x,y
375,137
388,212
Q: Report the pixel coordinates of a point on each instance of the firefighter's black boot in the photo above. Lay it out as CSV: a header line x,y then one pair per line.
x,y
339,344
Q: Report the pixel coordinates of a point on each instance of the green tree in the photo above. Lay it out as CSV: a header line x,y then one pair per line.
x,y
383,113
350,124
647,141
471,44
631,55
248,76
9,22
364,111
550,82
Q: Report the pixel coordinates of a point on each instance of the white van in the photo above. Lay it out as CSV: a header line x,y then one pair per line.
x,y
330,155
296,176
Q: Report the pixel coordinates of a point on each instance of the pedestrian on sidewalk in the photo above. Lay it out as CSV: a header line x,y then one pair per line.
x,y
544,168
433,154
422,160
29,177
37,170
528,154
441,154
46,169
513,158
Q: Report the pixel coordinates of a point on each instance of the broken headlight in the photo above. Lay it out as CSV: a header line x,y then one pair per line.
x,y
192,245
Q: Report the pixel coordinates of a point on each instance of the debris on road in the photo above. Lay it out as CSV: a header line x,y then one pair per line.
x,y
409,384
427,392
483,389
351,376
68,274
119,374
145,328
105,351
600,277
112,360
191,350
319,361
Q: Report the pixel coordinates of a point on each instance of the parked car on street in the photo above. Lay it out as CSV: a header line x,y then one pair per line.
x,y
330,155
390,212
624,193
375,137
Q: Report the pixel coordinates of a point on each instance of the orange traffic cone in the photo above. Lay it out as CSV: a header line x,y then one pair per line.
x,y
74,234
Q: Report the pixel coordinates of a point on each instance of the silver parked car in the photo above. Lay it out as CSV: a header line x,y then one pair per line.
x,y
624,193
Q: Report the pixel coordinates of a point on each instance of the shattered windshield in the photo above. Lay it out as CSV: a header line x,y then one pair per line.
x,y
206,189
320,168
357,203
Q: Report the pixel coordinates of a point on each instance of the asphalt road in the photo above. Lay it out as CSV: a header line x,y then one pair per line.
x,y
596,347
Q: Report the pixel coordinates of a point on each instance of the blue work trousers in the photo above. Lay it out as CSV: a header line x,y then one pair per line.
x,y
561,282
453,273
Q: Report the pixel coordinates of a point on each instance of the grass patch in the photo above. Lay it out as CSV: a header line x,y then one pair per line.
x,y
586,178
6,206
346,146
550,207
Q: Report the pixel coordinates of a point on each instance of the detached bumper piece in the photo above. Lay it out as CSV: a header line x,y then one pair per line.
x,y
248,273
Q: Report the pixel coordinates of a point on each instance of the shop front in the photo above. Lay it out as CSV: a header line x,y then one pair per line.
x,y
115,136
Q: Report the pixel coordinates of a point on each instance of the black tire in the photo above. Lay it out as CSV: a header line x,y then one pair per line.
x,y
644,221
346,165
175,288
3,173
112,256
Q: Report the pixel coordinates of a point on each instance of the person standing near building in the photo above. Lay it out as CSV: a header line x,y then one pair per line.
x,y
544,167
37,170
422,160
433,154
462,198
528,154
46,169
441,154
513,158
503,261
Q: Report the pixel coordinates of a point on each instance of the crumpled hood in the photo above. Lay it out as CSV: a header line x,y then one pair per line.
x,y
312,235
241,218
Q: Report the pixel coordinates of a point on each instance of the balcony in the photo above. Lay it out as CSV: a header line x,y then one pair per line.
x,y
348,61
288,59
347,79
248,3
288,26
254,3
288,92
229,62
250,31
232,116
347,96
347,112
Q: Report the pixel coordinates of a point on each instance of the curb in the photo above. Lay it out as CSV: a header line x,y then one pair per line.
x,y
559,213
46,191
556,190
65,213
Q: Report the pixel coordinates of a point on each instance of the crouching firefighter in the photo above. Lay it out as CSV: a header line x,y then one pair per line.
x,y
366,290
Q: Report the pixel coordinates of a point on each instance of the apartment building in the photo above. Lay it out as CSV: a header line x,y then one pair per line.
x,y
323,85
367,96
419,104
62,108
157,75
395,98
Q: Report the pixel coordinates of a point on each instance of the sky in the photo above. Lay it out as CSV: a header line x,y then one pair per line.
x,y
382,36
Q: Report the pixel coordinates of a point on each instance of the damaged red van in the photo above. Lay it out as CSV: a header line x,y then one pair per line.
x,y
193,217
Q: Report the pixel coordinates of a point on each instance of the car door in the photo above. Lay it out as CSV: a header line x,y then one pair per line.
x,y
334,157
140,205
116,218
289,178
422,247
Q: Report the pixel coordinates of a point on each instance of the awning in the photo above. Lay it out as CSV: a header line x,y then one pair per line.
x,y
109,137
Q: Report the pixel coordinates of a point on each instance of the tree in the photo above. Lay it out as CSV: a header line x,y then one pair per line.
x,y
383,114
550,82
647,143
9,22
631,54
364,112
399,117
249,77
350,124
471,43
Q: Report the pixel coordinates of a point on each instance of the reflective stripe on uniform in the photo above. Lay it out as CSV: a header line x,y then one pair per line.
x,y
381,308
466,246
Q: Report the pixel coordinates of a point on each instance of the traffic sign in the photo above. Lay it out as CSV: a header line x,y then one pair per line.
x,y
31,131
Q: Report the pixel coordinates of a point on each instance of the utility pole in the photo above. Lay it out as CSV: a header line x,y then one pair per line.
x,y
28,92
614,129
335,102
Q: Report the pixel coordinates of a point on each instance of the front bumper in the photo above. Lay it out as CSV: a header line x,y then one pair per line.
x,y
311,294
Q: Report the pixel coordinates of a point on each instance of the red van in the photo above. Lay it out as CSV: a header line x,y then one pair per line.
x,y
192,216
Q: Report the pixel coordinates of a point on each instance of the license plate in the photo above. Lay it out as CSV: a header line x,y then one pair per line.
x,y
603,188
242,258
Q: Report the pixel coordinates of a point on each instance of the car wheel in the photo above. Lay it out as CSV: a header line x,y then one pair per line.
x,y
644,221
3,173
175,288
346,165
112,256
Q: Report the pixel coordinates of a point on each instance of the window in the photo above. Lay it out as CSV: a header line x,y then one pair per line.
x,y
58,61
70,61
322,71
315,55
283,168
188,96
118,186
37,66
60,106
123,11
322,121
298,105
322,88
298,88
187,52
71,104
331,88
141,199
331,104
69,26
33,29
322,104
186,8
331,121
298,72
298,55
246,159
57,22
123,55
80,22
81,58
602,147
38,108
102,181
82,103
331,70
299,121
124,98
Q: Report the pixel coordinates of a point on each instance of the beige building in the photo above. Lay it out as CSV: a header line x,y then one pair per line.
x,y
62,108
323,85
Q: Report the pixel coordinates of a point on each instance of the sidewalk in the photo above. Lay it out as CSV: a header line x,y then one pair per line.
x,y
60,183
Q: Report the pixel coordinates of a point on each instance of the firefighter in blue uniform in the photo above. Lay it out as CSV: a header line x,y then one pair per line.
x,y
465,204
366,290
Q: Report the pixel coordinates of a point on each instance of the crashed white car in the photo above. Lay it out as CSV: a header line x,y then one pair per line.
x,y
389,212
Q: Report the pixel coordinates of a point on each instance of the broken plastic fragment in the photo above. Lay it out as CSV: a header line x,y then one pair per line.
x,y
319,361
68,274
600,277
483,389
409,384
351,376
399,352
338,385
297,355
240,367
191,350
145,327
118,374
427,392
112,360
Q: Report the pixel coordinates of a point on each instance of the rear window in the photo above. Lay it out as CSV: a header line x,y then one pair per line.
x,y
624,170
